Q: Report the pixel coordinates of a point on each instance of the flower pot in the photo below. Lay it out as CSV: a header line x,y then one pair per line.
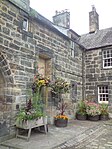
x,y
104,117
93,118
60,122
81,117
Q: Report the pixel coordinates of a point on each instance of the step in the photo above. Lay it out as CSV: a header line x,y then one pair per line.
x,y
10,146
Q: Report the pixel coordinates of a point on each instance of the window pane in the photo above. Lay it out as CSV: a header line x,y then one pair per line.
x,y
104,54
102,89
99,89
25,24
106,89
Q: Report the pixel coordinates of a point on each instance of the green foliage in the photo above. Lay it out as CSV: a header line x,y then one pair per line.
x,y
81,107
92,108
60,86
20,116
33,109
104,109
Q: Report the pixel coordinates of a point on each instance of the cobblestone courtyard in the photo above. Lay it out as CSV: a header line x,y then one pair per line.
x,y
102,142
77,135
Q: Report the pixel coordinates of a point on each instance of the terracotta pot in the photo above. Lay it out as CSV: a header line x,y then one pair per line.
x,y
81,117
93,118
60,122
104,117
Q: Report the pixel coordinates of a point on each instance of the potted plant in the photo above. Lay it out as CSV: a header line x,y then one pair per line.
x,y
81,110
59,87
34,110
61,120
104,111
93,111
29,116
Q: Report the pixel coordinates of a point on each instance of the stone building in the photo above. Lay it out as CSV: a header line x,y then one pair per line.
x,y
98,61
28,39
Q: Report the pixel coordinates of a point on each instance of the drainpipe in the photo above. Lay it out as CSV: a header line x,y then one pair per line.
x,y
83,74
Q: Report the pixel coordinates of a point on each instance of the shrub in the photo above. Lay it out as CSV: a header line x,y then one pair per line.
x,y
104,109
93,109
81,107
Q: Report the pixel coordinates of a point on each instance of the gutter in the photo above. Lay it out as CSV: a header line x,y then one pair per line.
x,y
98,47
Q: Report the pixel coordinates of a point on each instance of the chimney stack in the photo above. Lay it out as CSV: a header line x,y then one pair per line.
x,y
62,18
23,4
93,20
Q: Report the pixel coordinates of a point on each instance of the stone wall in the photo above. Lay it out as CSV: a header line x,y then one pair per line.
x,y
20,50
96,75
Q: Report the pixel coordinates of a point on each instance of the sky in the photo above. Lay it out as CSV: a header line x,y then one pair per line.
x,y
79,12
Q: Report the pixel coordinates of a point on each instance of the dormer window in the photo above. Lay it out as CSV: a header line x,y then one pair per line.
x,y
25,24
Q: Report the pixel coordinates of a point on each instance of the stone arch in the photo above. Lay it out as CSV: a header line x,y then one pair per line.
x,y
6,83
5,69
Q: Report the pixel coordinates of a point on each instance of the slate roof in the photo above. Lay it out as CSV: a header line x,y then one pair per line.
x,y
62,29
100,38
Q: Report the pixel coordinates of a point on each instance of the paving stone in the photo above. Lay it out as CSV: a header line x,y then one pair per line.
x,y
109,142
100,147
78,135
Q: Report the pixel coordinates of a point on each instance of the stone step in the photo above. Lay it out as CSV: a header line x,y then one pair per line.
x,y
83,138
7,145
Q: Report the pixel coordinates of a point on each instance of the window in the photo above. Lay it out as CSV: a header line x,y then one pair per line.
x,y
25,24
72,47
103,94
107,58
72,53
74,91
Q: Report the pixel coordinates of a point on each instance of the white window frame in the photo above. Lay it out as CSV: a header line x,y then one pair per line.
x,y
103,92
107,58
72,44
72,53
72,48
26,28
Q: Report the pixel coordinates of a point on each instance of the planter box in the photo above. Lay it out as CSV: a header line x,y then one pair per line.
x,y
32,123
29,124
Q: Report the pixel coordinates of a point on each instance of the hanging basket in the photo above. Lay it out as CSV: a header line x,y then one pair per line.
x,y
61,122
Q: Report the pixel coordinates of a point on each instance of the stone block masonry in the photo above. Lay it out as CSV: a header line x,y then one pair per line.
x,y
96,75
20,50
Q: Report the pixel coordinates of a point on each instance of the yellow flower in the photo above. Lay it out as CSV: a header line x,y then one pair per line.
x,y
61,117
